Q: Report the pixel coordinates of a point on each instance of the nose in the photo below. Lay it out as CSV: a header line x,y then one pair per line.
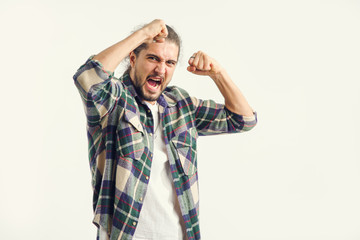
x,y
160,68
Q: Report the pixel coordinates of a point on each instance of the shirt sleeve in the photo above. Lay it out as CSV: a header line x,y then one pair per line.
x,y
98,88
212,118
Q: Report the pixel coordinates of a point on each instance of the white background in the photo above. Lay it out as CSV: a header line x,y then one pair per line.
x,y
295,176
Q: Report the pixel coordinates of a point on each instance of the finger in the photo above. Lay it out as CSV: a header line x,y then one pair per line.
x,y
191,68
207,63
159,39
191,59
211,66
157,29
200,65
164,31
196,59
204,62
162,34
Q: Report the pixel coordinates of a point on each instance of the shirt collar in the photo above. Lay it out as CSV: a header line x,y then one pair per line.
x,y
129,84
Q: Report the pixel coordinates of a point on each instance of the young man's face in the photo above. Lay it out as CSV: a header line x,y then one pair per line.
x,y
152,70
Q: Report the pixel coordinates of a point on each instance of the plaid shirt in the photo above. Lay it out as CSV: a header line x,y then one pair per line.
x,y
120,129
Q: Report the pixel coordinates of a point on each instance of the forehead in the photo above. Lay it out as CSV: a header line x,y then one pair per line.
x,y
165,51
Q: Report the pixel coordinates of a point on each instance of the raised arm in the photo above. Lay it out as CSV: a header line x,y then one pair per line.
x,y
201,64
112,56
94,80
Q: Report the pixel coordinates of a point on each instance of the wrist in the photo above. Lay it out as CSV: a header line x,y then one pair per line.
x,y
218,75
143,35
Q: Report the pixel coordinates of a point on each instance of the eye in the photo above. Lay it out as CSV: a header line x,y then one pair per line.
x,y
171,63
152,58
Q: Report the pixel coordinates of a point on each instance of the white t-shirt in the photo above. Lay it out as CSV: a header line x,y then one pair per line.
x,y
160,217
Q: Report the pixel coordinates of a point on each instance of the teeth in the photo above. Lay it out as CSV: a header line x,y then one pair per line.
x,y
155,79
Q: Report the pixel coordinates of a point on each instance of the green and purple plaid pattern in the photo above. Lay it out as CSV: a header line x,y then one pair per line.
x,y
120,129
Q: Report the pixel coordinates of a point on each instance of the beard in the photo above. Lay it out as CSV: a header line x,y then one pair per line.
x,y
139,87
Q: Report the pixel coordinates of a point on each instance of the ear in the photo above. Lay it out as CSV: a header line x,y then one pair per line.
x,y
132,57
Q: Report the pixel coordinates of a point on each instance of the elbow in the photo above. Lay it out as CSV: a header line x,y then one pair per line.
x,y
249,122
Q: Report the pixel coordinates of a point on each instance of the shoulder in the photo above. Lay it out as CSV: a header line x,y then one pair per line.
x,y
176,94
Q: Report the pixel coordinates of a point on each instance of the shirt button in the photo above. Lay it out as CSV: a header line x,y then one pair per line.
x,y
147,177
150,134
140,199
134,223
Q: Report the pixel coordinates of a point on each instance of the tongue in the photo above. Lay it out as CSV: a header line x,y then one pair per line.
x,y
152,83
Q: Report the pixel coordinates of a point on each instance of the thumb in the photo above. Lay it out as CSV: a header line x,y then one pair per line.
x,y
191,68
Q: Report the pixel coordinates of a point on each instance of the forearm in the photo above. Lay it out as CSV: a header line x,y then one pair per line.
x,y
234,99
201,64
113,55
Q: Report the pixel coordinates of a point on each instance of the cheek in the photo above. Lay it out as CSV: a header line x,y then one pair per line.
x,y
149,67
170,72
144,68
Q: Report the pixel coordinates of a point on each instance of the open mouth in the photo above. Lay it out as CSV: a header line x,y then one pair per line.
x,y
154,81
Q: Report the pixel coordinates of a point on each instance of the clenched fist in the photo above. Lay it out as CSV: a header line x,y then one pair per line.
x,y
201,64
156,31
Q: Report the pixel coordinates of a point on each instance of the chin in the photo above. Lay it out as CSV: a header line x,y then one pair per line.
x,y
149,97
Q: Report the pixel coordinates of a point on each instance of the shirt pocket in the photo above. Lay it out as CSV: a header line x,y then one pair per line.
x,y
130,136
185,145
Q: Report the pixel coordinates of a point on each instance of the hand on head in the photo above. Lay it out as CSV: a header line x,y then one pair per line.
x,y
156,31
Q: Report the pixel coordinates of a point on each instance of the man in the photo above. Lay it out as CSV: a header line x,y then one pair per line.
x,y
142,135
